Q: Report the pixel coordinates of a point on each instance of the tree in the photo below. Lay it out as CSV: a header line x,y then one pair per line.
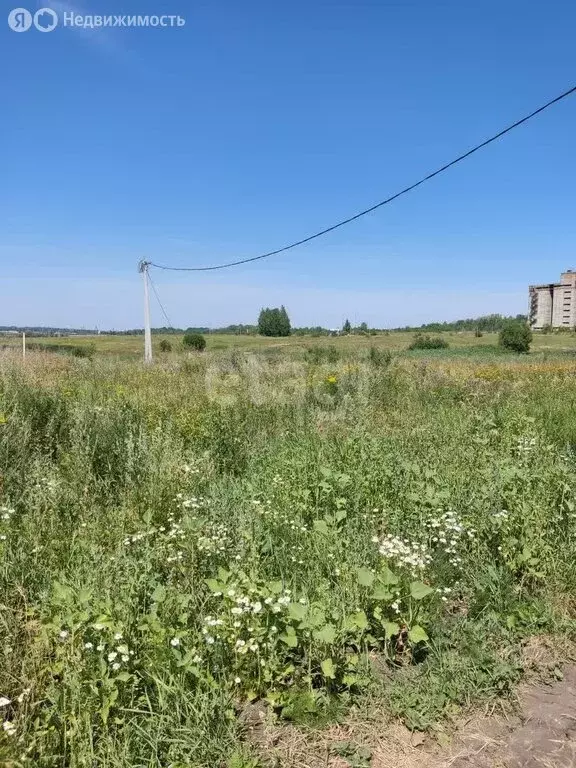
x,y
346,328
363,328
285,326
274,322
194,341
516,337
165,346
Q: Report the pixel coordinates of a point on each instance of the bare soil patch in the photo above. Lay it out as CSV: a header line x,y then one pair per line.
x,y
540,732
542,735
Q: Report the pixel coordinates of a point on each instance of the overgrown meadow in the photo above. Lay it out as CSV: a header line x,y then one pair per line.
x,y
298,529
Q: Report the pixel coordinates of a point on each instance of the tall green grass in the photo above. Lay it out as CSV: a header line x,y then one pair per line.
x,y
296,531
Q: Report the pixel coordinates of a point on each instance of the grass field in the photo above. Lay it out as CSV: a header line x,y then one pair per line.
x,y
131,347
311,528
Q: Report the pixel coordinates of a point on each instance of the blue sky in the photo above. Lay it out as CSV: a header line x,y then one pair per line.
x,y
258,123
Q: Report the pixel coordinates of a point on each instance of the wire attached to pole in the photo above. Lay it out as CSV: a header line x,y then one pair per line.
x,y
404,191
159,302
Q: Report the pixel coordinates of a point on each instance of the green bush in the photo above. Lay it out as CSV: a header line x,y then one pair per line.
x,y
86,351
320,354
428,342
380,358
165,346
516,337
194,341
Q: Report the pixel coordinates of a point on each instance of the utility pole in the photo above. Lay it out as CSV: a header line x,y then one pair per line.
x,y
23,345
143,268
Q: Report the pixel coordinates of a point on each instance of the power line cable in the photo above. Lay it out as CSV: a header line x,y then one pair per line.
x,y
380,204
159,302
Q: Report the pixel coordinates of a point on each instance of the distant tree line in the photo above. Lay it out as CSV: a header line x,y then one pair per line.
x,y
37,330
277,320
316,330
486,323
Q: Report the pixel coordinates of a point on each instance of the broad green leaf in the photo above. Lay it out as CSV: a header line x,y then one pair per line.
x,y
381,592
316,617
223,574
361,620
297,611
102,621
391,628
419,590
108,702
328,669
61,591
325,635
350,622
215,586
417,634
387,577
321,526
275,587
289,637
272,697
365,577
159,594
124,676
357,621
84,596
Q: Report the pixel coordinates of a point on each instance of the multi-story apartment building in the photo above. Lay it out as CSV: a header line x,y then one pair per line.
x,y
554,304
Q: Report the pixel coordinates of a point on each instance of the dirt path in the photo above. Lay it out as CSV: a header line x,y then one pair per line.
x,y
541,734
